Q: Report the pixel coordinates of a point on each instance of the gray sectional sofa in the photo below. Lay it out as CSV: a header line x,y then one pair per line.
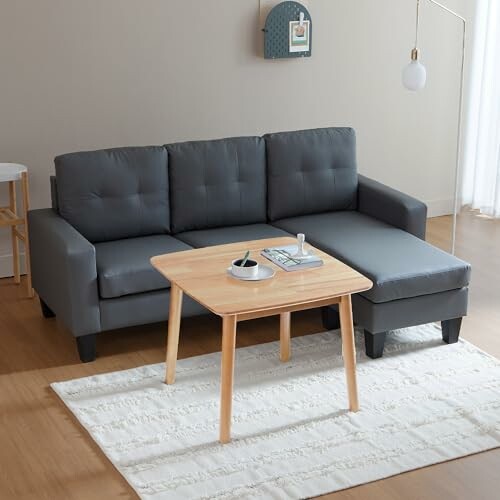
x,y
114,209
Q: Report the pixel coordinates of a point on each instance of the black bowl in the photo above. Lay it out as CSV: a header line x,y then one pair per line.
x,y
248,263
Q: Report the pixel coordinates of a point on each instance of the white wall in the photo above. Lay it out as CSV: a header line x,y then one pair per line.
x,y
91,74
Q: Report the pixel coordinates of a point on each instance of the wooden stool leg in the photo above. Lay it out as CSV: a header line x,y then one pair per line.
x,y
349,350
227,373
26,207
15,240
174,324
285,347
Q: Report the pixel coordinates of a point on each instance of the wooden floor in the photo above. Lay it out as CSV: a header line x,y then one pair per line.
x,y
45,454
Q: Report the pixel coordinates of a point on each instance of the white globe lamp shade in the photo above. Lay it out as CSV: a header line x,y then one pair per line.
x,y
415,74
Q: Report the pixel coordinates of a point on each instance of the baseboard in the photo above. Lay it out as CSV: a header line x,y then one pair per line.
x,y
437,208
6,269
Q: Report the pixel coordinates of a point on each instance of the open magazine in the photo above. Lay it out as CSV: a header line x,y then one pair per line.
x,y
283,257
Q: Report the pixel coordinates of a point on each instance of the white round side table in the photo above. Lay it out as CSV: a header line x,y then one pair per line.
x,y
9,217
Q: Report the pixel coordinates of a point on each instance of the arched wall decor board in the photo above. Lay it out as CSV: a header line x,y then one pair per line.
x,y
288,31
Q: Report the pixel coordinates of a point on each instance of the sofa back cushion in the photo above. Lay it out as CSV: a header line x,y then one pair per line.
x,y
114,193
217,183
311,171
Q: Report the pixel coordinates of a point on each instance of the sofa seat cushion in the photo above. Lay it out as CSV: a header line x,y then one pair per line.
x,y
231,234
399,264
123,266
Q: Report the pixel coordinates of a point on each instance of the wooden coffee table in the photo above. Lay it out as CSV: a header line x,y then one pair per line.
x,y
201,274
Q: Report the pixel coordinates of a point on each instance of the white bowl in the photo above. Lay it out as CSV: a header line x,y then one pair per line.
x,y
245,272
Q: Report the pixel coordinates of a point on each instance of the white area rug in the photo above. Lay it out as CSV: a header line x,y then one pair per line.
x,y
424,402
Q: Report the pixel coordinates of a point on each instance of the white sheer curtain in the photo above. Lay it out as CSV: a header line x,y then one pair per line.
x,y
481,176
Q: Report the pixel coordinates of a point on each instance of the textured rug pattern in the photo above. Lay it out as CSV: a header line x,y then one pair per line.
x,y
424,402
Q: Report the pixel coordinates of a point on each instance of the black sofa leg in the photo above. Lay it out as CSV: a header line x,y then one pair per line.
x,y
46,310
374,344
451,330
86,347
330,317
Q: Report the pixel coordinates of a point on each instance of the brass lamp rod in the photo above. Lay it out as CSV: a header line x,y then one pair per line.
x,y
441,6
460,108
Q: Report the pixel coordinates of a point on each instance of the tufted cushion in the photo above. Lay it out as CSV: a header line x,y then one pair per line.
x,y
217,183
114,193
311,171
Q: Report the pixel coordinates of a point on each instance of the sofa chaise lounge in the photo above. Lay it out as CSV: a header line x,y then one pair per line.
x,y
114,209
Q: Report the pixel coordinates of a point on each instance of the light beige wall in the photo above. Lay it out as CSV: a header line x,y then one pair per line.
x,y
86,74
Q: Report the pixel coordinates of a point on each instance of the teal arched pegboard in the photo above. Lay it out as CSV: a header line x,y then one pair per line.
x,y
277,30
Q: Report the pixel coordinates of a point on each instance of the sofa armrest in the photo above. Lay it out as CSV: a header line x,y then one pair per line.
x,y
392,206
64,273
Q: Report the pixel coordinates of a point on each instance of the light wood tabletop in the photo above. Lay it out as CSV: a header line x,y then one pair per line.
x,y
202,274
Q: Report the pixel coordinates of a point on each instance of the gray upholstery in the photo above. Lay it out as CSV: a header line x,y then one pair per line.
x,y
143,308
123,266
114,209
53,193
114,193
311,171
391,206
217,183
233,234
409,312
64,271
399,264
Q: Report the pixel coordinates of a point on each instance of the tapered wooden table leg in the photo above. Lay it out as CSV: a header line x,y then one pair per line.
x,y
26,207
15,240
227,373
285,347
174,323
349,350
